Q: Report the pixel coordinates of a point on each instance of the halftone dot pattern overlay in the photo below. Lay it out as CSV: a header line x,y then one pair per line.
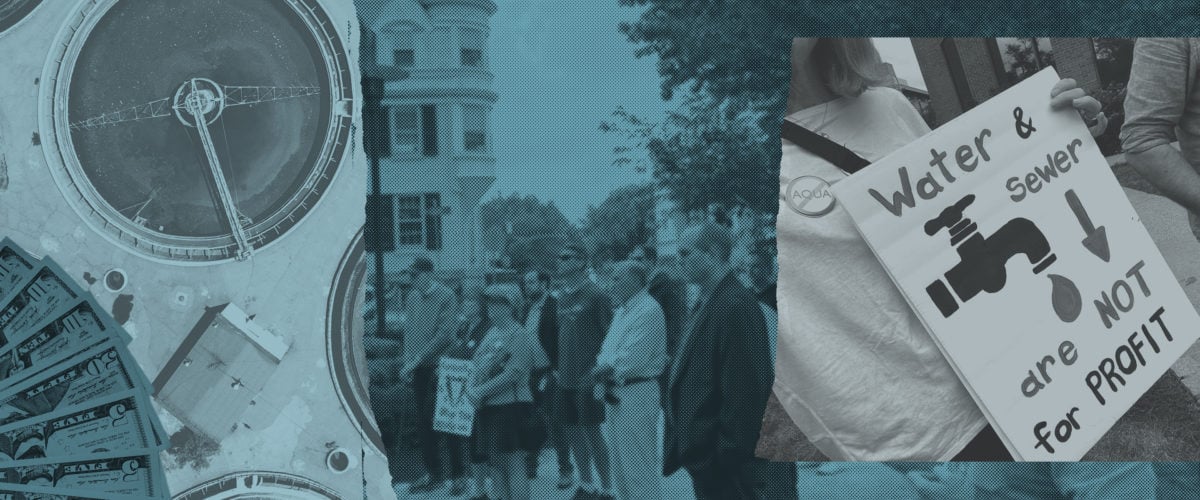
x,y
740,51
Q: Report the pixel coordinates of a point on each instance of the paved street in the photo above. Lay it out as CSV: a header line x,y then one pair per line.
x,y
678,486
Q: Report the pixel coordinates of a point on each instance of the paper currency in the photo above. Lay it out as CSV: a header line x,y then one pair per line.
x,y
76,417
15,266
32,302
103,370
129,472
30,492
117,422
70,331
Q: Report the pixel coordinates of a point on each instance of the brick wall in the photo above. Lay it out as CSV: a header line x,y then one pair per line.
x,y
1075,58
976,56
943,98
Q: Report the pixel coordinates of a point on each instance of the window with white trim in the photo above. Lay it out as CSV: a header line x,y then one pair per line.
x,y
404,53
475,137
419,220
471,44
406,130
410,227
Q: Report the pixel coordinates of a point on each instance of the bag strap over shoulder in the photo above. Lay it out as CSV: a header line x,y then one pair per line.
x,y
832,152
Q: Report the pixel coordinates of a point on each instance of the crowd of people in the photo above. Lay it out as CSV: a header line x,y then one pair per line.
x,y
591,361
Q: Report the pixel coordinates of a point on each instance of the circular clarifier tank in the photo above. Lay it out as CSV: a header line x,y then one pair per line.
x,y
14,11
270,80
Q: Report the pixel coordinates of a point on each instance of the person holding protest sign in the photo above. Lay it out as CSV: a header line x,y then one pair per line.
x,y
502,363
473,325
856,369
429,324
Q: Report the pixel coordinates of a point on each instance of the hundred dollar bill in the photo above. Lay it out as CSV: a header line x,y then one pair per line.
x,y
69,331
33,301
15,266
118,422
31,492
100,371
128,472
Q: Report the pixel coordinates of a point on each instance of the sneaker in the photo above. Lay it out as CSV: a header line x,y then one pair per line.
x,y
423,485
565,480
603,496
582,494
458,487
531,466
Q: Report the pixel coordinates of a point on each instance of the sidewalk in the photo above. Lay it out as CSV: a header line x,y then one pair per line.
x,y
678,486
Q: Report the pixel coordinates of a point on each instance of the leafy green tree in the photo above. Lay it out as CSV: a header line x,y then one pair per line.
x,y
525,232
706,152
1025,56
1114,58
735,51
625,218
730,63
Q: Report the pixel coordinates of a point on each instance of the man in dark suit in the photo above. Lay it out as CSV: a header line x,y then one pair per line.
x,y
542,316
720,379
666,290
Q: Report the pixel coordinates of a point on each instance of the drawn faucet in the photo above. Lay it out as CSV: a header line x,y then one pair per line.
x,y
982,259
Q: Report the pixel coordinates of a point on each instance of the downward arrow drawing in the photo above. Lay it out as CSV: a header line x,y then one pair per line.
x,y
1095,239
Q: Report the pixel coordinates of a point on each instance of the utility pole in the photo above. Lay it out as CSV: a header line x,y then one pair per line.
x,y
377,144
379,238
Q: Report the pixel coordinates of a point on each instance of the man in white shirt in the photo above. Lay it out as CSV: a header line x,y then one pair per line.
x,y
631,360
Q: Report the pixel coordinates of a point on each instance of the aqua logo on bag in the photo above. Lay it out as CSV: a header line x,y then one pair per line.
x,y
809,196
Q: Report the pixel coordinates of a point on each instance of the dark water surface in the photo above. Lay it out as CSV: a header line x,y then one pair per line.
x,y
143,50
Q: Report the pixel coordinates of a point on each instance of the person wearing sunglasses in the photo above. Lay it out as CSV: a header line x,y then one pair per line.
x,y
584,314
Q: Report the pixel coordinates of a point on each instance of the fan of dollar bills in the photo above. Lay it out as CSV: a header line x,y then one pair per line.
x,y
75,414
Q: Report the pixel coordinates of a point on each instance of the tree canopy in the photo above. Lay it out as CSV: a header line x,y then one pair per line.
x,y
624,219
525,230
730,63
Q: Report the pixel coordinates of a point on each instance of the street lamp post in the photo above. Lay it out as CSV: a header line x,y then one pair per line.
x,y
375,143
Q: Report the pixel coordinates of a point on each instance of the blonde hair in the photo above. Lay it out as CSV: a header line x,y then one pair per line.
x,y
849,65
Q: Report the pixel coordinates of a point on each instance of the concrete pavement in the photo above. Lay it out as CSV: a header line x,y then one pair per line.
x,y
1169,227
678,486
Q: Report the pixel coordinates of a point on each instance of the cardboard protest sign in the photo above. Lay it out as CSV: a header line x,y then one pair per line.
x,y
454,413
1012,240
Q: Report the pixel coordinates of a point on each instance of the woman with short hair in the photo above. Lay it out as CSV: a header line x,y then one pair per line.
x,y
500,392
